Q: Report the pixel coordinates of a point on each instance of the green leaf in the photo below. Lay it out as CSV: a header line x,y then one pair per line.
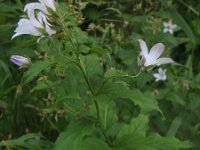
x,y
43,84
195,83
145,101
137,125
115,73
107,109
73,137
34,70
94,144
174,126
152,142
93,66
182,23
29,141
7,8
98,50
171,96
175,98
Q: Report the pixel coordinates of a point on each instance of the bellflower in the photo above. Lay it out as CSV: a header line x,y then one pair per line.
x,y
151,58
37,23
169,27
49,4
161,75
19,60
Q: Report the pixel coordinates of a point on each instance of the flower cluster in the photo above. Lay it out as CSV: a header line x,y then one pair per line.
x,y
37,23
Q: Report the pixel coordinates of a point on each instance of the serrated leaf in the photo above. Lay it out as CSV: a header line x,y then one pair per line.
x,y
120,89
73,137
107,109
94,144
92,65
137,125
151,142
146,101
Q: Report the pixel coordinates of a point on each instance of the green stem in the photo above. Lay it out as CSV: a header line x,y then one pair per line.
x,y
80,65
100,125
64,27
95,102
86,77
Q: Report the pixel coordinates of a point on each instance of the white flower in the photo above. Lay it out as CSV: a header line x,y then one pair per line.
x,y
161,75
19,60
49,3
25,26
151,58
47,26
43,6
37,23
169,27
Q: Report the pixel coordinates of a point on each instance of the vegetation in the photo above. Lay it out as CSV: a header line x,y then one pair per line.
x,y
76,75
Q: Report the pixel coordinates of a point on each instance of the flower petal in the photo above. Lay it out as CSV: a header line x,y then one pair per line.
x,y
49,3
165,24
42,18
31,7
156,75
173,26
25,27
171,31
165,30
143,47
160,70
164,60
156,51
19,60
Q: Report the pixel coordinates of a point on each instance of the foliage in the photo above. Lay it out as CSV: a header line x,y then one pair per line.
x,y
84,90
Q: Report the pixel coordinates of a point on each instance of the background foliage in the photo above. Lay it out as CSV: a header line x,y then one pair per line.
x,y
50,106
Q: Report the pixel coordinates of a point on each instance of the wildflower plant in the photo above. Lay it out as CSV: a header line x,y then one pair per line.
x,y
36,24
82,89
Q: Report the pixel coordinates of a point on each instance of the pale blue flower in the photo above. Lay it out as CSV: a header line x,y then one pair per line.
x,y
20,60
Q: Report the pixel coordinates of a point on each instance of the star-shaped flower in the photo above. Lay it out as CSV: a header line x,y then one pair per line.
x,y
161,75
169,27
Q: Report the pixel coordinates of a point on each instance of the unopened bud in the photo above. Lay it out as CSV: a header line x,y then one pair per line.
x,y
20,60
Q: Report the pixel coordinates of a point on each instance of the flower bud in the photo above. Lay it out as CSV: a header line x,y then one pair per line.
x,y
19,60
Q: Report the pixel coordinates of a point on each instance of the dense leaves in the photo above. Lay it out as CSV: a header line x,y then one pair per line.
x,y
87,86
